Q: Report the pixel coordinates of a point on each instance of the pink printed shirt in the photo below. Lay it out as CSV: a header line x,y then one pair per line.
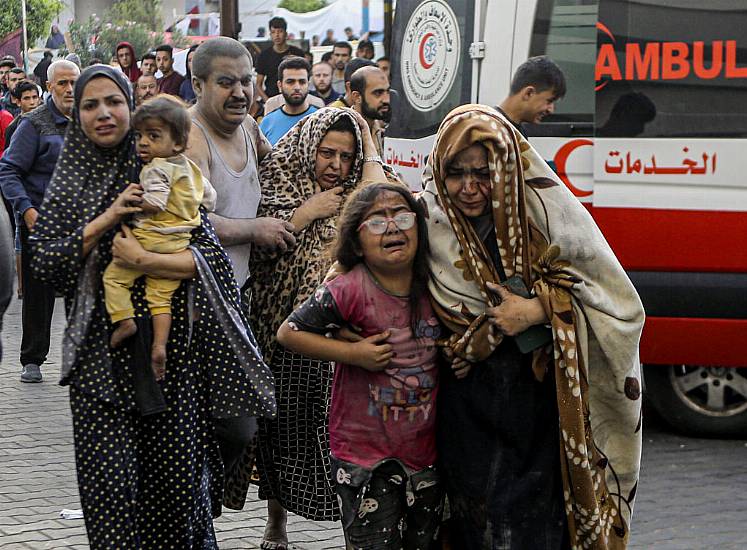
x,y
378,415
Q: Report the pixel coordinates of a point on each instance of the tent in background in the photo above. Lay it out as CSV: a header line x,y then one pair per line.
x,y
337,15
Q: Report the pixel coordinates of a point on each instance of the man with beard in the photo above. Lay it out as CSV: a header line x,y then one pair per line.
x,y
25,171
356,63
369,94
269,60
341,53
293,81
146,87
6,64
321,76
148,65
537,84
15,76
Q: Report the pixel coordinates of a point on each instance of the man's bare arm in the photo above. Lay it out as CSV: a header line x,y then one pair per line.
x,y
266,232
262,143
198,151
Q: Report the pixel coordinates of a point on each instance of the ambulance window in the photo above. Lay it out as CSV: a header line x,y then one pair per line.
x,y
564,30
660,75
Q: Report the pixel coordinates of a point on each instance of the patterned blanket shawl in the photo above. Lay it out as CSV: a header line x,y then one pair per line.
x,y
281,282
547,237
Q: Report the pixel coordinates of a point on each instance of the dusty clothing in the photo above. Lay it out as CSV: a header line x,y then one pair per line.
x,y
376,416
175,186
169,480
498,448
382,425
291,450
238,192
389,507
544,236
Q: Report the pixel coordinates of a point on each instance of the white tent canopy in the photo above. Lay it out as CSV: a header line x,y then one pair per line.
x,y
337,15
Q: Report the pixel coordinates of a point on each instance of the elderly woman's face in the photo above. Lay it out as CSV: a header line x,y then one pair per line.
x,y
104,113
334,159
468,181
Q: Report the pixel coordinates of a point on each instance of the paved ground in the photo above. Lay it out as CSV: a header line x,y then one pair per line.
x,y
693,492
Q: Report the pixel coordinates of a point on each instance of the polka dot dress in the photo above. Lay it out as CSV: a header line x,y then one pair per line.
x,y
146,482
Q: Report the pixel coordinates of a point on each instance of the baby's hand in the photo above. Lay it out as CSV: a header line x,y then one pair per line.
x,y
158,361
371,354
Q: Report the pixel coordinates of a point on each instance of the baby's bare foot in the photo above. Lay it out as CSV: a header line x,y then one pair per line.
x,y
124,330
158,361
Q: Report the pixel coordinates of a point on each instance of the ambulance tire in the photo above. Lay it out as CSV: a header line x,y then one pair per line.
x,y
686,407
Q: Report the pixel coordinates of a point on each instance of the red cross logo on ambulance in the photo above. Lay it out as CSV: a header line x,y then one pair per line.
x,y
430,54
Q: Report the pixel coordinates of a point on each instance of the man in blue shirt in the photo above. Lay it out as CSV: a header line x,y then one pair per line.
x,y
293,83
25,171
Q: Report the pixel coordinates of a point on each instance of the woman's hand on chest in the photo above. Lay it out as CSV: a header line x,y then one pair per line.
x,y
319,206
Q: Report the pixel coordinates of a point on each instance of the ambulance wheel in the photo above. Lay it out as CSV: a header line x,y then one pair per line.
x,y
704,401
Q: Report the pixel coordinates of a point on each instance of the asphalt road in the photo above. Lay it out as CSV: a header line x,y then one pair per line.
x,y
692,493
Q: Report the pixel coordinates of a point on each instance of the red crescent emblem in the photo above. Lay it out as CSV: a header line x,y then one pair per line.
x,y
423,62
561,157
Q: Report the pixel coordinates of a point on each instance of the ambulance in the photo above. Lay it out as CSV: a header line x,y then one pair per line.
x,y
651,136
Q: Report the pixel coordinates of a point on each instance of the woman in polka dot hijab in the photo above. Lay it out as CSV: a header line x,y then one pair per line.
x,y
146,480
540,447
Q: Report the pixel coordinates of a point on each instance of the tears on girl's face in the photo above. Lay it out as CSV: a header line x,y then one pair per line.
x,y
393,250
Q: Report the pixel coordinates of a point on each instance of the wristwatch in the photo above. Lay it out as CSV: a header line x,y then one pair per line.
x,y
373,158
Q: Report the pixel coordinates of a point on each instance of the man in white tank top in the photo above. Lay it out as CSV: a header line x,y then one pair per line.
x,y
227,145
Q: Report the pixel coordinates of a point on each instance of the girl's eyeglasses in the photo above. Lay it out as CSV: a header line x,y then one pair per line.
x,y
378,225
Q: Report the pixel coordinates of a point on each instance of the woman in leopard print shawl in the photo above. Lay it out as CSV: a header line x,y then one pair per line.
x,y
305,180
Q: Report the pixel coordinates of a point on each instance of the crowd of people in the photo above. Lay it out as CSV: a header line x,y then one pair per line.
x,y
253,296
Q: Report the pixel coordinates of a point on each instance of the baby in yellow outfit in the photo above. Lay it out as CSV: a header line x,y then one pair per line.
x,y
173,189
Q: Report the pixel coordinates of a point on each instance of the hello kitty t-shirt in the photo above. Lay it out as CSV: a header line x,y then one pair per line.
x,y
386,414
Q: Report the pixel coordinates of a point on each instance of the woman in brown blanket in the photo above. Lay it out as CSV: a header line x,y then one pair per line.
x,y
305,180
539,445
